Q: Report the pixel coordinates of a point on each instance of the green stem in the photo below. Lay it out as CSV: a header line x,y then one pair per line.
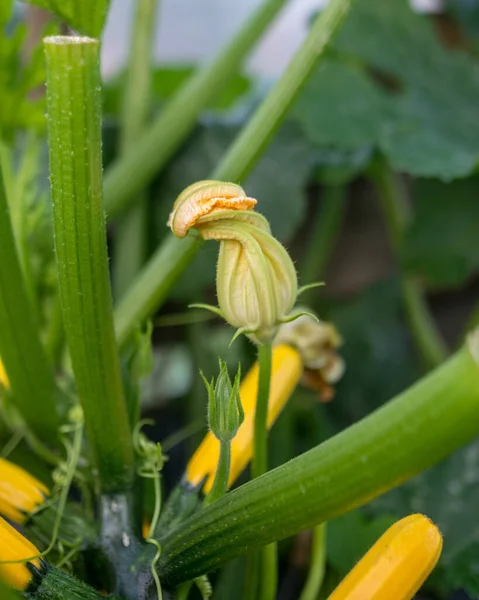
x,y
26,363
153,283
130,239
259,463
407,435
324,234
267,557
393,199
317,568
74,123
17,197
220,484
132,171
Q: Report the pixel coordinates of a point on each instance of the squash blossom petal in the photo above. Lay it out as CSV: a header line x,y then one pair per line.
x,y
286,373
20,493
256,281
397,565
14,547
3,376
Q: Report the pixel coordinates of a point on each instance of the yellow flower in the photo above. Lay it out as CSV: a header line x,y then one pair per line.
x,y
3,376
20,493
286,373
256,281
13,546
397,565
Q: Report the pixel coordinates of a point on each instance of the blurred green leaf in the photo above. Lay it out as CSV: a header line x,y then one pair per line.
x,y
166,81
467,14
87,16
341,107
390,83
441,243
377,351
22,106
278,182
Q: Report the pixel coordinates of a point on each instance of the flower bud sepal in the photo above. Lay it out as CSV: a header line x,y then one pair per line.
x,y
225,411
225,416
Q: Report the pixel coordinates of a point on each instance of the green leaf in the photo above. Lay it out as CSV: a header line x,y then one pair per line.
x,y
278,183
390,83
331,117
86,16
440,244
377,351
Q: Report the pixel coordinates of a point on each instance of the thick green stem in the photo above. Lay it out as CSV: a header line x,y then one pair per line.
x,y
324,234
317,567
220,484
130,239
132,171
153,283
407,435
25,360
74,124
426,335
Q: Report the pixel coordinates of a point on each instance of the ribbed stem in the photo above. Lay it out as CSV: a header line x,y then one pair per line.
x,y
410,433
74,124
26,363
130,239
424,330
155,281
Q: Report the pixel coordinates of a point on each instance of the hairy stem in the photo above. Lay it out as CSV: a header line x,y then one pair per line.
x,y
220,484
74,124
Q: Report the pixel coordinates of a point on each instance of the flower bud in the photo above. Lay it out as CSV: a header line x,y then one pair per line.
x,y
225,412
397,565
20,493
14,547
256,281
285,375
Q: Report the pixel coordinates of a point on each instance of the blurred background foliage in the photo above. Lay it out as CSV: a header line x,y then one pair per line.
x,y
397,88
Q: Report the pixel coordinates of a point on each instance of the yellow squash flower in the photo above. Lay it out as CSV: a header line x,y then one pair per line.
x,y
3,376
256,281
286,372
13,546
20,493
397,565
